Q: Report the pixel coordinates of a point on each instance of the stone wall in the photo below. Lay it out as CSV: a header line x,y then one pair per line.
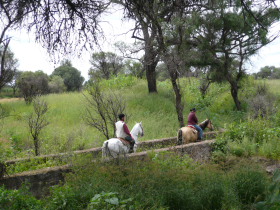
x,y
96,152
41,180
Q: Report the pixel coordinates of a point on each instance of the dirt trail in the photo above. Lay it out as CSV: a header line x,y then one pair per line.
x,y
5,100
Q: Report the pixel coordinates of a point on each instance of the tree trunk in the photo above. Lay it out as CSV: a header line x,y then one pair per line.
x,y
14,91
234,94
151,77
178,102
36,145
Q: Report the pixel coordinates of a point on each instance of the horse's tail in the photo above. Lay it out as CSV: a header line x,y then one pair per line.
x,y
180,137
105,149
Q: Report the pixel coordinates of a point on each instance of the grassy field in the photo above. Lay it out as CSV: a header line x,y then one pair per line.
x,y
273,85
67,130
164,181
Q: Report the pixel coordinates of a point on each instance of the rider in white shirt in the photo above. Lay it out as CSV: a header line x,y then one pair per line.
x,y
122,131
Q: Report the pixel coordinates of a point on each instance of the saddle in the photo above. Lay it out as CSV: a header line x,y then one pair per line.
x,y
193,129
125,142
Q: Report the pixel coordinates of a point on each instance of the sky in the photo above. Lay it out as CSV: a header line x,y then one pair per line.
x,y
32,56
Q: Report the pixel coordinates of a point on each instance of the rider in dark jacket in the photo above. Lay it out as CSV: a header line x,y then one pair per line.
x,y
192,120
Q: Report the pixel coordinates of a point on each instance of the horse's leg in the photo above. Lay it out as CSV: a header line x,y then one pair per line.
x,y
105,149
180,137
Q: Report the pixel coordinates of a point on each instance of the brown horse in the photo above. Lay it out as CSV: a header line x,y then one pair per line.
x,y
187,134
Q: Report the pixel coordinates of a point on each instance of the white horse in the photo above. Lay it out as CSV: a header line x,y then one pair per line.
x,y
114,147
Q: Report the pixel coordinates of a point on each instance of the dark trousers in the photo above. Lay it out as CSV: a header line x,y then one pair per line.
x,y
131,140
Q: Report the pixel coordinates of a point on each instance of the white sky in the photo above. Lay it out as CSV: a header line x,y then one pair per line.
x,y
33,57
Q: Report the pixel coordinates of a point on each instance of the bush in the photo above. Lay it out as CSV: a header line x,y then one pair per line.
x,y
120,81
63,197
272,200
109,201
249,185
262,102
18,199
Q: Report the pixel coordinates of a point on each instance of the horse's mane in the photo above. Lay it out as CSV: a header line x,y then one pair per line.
x,y
204,124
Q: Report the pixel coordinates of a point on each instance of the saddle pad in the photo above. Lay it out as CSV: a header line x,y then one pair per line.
x,y
191,126
194,129
125,142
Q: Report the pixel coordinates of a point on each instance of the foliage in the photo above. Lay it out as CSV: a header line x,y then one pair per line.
x,y
256,136
8,65
121,81
71,76
37,121
33,164
54,23
109,200
105,65
18,199
226,42
32,84
56,84
272,200
134,68
177,182
102,109
262,103
67,130
268,72
249,185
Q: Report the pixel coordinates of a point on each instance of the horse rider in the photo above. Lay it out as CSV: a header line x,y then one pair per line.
x,y
192,120
123,132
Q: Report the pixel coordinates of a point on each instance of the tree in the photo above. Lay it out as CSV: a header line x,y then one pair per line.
x,y
8,66
227,41
102,109
14,83
55,22
162,72
144,31
37,121
168,26
56,84
60,26
32,84
105,65
269,72
134,68
71,76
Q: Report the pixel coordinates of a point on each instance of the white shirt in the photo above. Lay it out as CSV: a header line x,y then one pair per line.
x,y
119,129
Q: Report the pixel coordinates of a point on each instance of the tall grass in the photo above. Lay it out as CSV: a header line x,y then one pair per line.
x,y
67,130
159,183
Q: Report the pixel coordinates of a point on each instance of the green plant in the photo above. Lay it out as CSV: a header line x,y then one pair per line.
x,y
272,200
249,185
109,200
18,199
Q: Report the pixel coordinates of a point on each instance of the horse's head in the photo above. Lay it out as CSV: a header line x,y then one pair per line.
x,y
138,129
210,125
141,129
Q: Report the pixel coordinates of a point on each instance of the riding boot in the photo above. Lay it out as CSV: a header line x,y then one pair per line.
x,y
131,147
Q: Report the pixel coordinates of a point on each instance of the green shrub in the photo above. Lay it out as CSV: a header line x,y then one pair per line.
x,y
272,200
109,200
120,81
237,150
249,185
18,199
62,198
